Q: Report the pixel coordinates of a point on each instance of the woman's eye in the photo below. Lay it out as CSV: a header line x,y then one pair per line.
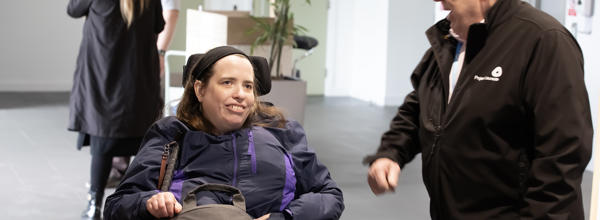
x,y
226,82
248,86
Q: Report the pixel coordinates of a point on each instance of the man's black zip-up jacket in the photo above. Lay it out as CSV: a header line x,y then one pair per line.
x,y
516,136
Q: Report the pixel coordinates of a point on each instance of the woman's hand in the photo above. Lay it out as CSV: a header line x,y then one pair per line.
x,y
264,217
163,205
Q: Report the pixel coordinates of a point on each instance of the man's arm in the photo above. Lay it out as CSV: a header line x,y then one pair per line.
x,y
399,144
556,98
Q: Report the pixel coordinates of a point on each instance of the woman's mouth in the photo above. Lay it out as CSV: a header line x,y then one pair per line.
x,y
236,108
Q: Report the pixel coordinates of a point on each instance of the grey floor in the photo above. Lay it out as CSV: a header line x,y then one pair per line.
x,y
43,176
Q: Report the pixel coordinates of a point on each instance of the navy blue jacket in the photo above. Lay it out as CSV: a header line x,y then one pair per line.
x,y
273,168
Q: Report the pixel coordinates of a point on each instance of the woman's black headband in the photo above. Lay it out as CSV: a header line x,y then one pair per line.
x,y
199,64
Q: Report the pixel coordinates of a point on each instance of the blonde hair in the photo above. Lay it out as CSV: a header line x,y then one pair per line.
x,y
128,9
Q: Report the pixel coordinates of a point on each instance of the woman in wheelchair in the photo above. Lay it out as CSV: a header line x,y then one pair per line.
x,y
227,136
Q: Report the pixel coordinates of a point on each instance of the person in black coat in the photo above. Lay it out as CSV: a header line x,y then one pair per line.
x,y
499,113
116,91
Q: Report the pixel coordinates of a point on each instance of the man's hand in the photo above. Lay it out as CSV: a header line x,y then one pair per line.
x,y
383,176
163,205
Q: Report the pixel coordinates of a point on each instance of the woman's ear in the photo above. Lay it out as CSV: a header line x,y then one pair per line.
x,y
199,90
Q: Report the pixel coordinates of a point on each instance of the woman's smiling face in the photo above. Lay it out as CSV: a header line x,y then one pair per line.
x,y
228,98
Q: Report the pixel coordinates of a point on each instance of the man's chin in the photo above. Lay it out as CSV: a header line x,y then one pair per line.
x,y
445,6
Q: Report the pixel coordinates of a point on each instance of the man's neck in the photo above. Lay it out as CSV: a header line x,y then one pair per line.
x,y
486,5
461,38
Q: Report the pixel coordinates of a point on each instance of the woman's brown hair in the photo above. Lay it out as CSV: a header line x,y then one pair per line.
x,y
189,109
128,9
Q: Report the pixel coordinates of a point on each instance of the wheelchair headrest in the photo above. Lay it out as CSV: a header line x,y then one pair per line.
x,y
199,64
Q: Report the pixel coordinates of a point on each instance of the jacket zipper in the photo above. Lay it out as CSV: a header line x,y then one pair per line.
x,y
252,151
436,138
235,162
434,149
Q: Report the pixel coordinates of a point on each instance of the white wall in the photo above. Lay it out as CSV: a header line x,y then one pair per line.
x,y
408,21
368,66
39,46
554,7
339,35
590,46
373,47
357,49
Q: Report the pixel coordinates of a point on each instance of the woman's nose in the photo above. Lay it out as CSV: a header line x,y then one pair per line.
x,y
240,92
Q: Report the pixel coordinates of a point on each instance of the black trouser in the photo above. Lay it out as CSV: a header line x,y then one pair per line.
x,y
102,151
100,168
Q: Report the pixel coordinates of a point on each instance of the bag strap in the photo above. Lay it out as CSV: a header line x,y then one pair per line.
x,y
169,157
168,162
167,165
163,166
238,200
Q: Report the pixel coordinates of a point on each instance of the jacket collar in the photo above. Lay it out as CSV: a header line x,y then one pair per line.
x,y
479,32
443,46
439,36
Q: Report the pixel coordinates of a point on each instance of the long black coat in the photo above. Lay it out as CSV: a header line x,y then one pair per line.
x,y
116,89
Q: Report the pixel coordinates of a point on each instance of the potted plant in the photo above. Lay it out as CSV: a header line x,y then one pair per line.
x,y
277,33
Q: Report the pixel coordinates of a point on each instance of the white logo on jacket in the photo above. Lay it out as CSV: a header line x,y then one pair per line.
x,y
496,73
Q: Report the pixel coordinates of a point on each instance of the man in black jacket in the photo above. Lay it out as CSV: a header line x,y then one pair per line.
x,y
499,113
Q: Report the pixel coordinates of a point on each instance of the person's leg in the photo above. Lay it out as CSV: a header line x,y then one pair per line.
x,y
100,168
101,165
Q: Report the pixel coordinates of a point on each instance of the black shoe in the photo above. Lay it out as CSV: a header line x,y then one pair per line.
x,y
93,210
